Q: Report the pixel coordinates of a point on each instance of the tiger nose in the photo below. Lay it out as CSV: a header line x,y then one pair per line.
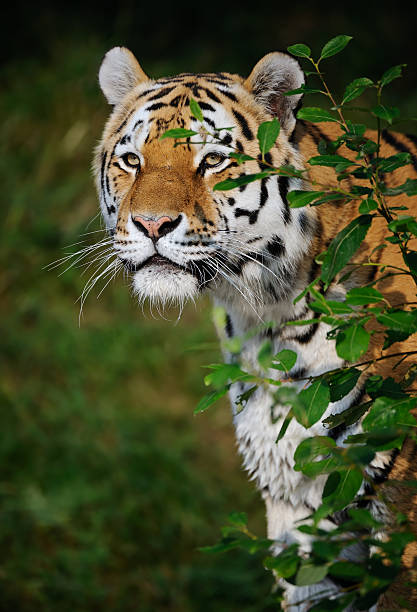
x,y
156,228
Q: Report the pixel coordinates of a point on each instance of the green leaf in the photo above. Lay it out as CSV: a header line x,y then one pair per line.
x,y
286,563
241,157
299,50
339,494
363,518
299,198
367,206
399,320
331,197
404,223
223,546
267,134
223,373
330,307
388,113
238,519
178,133
348,417
376,386
343,247
342,382
395,161
238,182
347,570
355,129
265,355
363,295
315,400
316,115
310,449
302,90
244,397
284,425
284,360
391,74
410,259
388,413
352,342
310,574
335,45
409,188
329,160
356,88
210,399
196,110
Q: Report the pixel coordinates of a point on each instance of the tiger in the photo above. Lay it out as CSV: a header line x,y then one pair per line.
x,y
252,253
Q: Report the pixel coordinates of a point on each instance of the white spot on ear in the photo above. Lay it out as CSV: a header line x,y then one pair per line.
x,y
119,73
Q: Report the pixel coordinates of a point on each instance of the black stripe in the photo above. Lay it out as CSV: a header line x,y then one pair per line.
x,y
283,186
229,326
315,132
413,139
276,247
246,131
120,168
336,432
216,81
268,159
211,95
103,165
228,94
156,106
144,93
121,126
382,474
210,122
175,101
226,139
308,335
161,93
399,146
304,222
206,106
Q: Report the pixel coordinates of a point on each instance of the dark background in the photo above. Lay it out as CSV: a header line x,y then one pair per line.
x,y
108,484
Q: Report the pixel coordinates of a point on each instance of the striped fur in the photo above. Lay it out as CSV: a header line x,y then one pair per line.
x,y
247,248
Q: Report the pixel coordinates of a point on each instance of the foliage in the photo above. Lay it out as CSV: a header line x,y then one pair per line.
x,y
386,418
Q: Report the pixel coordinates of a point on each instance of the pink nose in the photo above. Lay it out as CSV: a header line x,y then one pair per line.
x,y
153,227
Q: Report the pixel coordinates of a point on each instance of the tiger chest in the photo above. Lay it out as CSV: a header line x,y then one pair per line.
x,y
270,463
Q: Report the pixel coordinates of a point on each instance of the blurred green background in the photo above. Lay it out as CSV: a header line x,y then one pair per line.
x,y
108,484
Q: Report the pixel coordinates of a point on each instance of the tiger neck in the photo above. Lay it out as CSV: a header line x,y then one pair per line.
x,y
247,310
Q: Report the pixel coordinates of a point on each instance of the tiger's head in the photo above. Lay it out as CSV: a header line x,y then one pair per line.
x,y
174,233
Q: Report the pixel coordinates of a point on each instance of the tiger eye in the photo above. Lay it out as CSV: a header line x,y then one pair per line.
x,y
213,159
131,159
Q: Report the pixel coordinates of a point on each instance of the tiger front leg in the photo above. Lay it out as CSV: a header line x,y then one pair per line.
x,y
283,518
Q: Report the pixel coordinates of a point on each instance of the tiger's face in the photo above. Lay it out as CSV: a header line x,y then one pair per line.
x,y
172,230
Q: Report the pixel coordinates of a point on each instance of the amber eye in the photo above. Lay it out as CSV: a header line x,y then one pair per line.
x,y
213,159
131,160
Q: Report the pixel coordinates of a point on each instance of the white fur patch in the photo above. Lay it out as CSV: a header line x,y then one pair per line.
x,y
164,287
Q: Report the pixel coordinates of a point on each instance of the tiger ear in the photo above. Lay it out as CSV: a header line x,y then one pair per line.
x,y
272,76
119,73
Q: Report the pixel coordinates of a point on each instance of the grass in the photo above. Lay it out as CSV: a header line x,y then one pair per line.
x,y
108,484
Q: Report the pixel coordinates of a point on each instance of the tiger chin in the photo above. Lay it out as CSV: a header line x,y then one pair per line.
x,y
178,237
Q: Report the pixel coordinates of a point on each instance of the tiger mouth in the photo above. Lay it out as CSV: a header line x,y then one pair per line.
x,y
202,270
153,260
